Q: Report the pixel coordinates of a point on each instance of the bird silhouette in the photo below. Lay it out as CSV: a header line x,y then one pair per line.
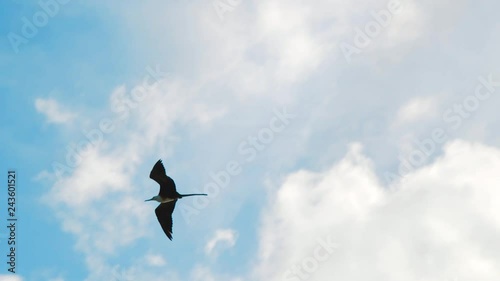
x,y
167,197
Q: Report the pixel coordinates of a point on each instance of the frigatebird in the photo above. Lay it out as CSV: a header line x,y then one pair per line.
x,y
167,197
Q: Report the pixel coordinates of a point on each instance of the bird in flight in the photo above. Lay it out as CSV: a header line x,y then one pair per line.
x,y
167,197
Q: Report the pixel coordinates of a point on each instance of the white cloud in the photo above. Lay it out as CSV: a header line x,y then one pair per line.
x,y
155,260
53,111
139,270
205,273
222,238
202,273
417,109
10,277
439,224
97,176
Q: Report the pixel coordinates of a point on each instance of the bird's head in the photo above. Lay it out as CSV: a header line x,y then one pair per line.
x,y
154,198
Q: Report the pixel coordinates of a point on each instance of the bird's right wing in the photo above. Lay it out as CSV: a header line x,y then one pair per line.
x,y
164,214
158,173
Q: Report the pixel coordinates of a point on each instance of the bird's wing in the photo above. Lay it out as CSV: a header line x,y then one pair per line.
x,y
158,173
167,184
164,214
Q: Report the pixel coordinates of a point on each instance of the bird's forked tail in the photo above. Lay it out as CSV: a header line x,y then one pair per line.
x,y
195,194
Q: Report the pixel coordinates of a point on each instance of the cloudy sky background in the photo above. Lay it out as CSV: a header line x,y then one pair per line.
x,y
338,189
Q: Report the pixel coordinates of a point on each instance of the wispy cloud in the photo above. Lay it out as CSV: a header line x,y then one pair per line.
x,y
53,111
105,173
222,238
10,277
156,260
417,109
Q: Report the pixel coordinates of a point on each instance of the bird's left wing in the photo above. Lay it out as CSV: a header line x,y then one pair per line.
x,y
158,173
164,214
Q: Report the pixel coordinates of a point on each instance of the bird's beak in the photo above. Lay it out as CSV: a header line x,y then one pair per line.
x,y
148,200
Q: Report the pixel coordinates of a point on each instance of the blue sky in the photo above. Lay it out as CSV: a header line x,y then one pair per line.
x,y
391,150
